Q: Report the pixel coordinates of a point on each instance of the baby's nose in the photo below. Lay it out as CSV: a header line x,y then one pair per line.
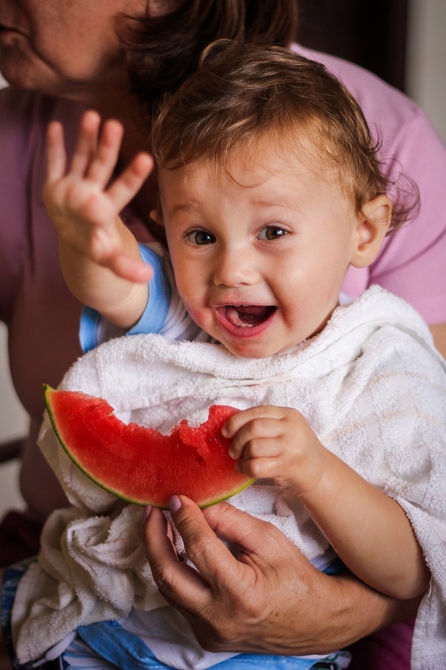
x,y
234,267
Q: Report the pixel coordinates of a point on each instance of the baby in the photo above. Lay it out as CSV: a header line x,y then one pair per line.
x,y
269,190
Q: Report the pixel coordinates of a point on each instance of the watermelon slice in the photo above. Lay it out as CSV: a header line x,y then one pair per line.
x,y
140,464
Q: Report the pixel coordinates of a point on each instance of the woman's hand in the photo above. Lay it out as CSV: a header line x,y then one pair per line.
x,y
268,599
84,204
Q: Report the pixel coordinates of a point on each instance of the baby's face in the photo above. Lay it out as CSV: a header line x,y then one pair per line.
x,y
259,250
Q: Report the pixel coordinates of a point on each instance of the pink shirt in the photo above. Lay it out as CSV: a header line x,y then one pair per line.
x,y
43,317
411,263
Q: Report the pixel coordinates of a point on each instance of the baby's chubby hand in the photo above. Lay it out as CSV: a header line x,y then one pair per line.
x,y
83,200
276,443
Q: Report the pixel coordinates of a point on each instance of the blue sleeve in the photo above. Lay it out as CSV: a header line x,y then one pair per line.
x,y
95,330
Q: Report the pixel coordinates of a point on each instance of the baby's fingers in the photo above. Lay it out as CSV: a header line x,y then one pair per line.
x,y
251,426
56,159
129,268
105,157
127,185
239,419
95,156
86,145
257,439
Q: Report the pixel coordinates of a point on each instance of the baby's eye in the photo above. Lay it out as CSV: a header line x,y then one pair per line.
x,y
200,237
272,233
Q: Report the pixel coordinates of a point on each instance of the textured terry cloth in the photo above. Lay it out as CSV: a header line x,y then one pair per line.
x,y
371,385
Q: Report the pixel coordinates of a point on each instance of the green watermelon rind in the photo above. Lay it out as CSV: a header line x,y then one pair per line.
x,y
48,390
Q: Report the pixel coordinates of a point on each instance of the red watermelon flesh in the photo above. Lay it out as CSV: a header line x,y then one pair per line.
x,y
140,464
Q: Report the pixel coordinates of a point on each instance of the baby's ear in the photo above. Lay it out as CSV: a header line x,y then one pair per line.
x,y
156,216
372,225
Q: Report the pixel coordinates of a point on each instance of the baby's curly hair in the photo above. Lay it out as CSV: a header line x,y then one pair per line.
x,y
242,98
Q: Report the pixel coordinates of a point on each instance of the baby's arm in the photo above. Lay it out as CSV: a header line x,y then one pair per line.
x,y
368,530
99,256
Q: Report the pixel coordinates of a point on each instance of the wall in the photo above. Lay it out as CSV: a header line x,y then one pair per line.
x,y
13,421
426,59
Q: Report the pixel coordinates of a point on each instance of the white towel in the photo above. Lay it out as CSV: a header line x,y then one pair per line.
x,y
371,385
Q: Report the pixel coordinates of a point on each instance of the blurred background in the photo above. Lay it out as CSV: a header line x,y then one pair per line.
x,y
403,41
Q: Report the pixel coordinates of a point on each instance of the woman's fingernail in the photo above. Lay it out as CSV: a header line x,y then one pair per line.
x,y
147,510
174,504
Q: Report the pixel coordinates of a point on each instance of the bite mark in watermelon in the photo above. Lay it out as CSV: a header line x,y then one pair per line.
x,y
140,464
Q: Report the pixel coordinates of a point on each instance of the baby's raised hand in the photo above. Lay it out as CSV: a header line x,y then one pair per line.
x,y
84,205
276,443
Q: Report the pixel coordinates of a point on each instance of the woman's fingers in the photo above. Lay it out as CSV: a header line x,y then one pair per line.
x,y
178,582
251,602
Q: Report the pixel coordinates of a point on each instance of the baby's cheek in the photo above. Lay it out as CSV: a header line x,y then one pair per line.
x,y
203,317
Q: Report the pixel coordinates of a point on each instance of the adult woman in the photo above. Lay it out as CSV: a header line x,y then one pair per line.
x,y
69,55
72,50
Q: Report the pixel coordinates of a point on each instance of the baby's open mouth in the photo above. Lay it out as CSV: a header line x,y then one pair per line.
x,y
247,316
